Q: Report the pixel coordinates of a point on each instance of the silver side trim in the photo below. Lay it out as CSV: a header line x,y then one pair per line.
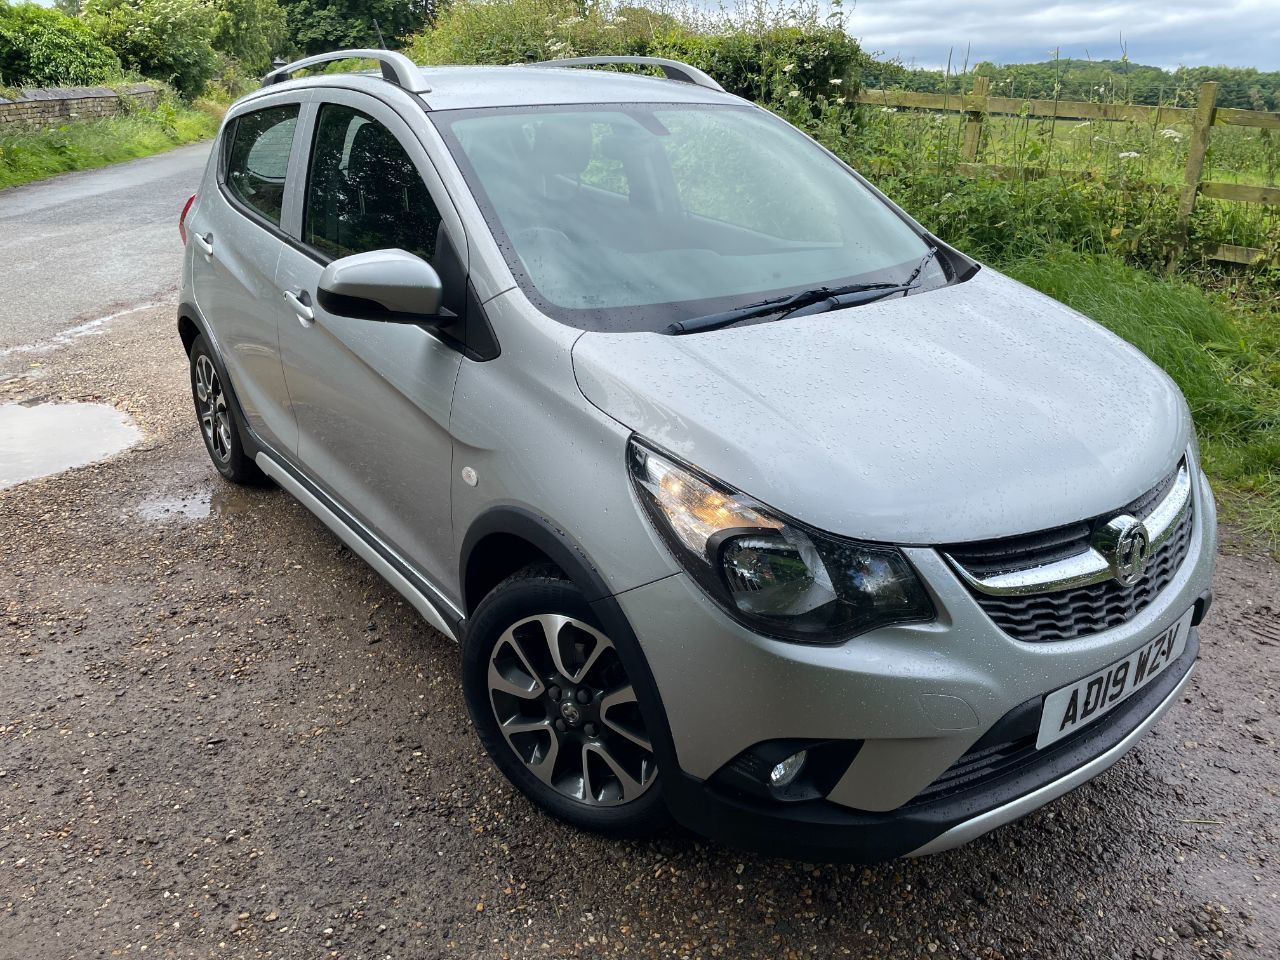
x,y
421,602
1091,566
971,829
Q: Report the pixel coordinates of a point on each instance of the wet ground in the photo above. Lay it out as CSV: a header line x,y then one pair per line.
x,y
221,735
40,439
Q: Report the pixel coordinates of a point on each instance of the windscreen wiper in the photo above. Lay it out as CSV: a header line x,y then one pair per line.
x,y
804,303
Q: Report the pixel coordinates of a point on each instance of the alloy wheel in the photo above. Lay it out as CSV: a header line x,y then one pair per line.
x,y
565,705
211,405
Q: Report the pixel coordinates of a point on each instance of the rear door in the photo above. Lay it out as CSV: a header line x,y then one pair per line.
x,y
372,399
237,238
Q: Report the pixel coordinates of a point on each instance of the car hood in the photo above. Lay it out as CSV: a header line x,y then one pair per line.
x,y
979,410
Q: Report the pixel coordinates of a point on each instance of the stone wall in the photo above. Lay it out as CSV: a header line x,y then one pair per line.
x,y
49,108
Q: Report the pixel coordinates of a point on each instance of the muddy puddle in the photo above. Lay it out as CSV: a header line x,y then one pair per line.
x,y
221,500
47,438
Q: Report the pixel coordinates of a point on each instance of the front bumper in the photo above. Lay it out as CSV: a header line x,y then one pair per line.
x,y
823,831
917,697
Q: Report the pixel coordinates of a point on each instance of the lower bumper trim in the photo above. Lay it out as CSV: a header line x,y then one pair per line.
x,y
823,831
971,829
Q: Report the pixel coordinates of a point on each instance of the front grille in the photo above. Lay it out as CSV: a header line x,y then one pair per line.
x,y
979,766
1076,611
1080,611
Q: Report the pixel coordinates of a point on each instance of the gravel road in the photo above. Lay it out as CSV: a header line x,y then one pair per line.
x,y
221,735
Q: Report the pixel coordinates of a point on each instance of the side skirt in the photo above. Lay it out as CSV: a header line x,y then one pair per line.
x,y
353,539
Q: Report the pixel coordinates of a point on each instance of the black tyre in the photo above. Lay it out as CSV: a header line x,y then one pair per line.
x,y
555,709
217,422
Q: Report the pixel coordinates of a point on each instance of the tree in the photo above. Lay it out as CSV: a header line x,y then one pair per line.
x,y
251,32
45,48
170,40
317,26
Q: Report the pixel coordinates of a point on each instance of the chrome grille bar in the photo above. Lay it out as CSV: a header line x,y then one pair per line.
x,y
1090,566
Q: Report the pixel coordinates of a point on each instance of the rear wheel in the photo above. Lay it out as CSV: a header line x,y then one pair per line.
x,y
217,423
555,709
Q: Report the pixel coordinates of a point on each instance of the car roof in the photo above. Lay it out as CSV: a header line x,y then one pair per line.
x,y
462,87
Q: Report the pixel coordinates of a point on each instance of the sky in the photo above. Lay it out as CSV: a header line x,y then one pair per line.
x,y
1166,33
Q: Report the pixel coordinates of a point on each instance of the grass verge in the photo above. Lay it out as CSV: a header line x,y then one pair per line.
x,y
82,145
1224,354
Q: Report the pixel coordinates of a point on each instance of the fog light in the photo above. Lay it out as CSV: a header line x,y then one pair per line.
x,y
787,770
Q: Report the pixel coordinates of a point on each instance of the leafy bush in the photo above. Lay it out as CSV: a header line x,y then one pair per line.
x,y
169,40
45,48
772,62
317,26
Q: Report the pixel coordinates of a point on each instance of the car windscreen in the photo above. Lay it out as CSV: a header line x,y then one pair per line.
x,y
631,216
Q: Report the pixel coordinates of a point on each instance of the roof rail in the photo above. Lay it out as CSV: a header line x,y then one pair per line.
x,y
396,68
673,69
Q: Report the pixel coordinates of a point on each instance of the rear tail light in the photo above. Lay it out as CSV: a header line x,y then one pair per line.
x,y
182,220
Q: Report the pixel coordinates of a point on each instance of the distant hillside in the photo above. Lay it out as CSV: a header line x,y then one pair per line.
x,y
1110,80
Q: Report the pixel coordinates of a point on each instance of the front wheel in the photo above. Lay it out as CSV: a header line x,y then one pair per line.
x,y
555,709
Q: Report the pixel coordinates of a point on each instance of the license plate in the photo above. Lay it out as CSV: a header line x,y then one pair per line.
x,y
1071,708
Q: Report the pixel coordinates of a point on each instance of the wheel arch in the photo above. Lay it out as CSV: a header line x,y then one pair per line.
x,y
506,539
191,324
519,529
188,330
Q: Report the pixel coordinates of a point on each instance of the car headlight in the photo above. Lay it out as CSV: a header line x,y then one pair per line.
x,y
771,573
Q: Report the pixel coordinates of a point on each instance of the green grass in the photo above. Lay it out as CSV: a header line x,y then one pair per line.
x,y
83,145
1153,152
1223,353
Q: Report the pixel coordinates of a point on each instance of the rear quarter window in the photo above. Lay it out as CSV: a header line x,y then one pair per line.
x,y
257,158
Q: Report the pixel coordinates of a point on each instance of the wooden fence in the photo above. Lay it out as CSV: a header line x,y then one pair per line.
x,y
978,104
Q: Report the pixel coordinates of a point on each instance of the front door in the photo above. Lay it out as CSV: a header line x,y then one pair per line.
x,y
372,398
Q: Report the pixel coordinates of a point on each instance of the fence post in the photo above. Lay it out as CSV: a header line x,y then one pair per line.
x,y
975,110
1201,126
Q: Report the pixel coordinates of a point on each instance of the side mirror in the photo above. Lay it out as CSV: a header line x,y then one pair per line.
x,y
388,285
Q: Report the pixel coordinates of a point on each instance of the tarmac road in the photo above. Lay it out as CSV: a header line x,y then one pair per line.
x,y
82,246
221,735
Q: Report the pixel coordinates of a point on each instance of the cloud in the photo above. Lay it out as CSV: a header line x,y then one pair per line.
x,y
1168,33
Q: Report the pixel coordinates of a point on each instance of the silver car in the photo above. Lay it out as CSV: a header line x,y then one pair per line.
x,y
750,502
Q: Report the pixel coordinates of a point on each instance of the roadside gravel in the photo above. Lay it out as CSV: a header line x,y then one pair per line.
x,y
222,735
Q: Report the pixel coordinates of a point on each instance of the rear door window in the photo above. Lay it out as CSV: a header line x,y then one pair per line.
x,y
257,158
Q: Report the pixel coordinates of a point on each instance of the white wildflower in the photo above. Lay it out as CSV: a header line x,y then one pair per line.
x,y
788,68
1170,134
1130,155
840,99
794,93
835,81
887,110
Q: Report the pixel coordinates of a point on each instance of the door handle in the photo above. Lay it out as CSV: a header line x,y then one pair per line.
x,y
301,303
205,243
